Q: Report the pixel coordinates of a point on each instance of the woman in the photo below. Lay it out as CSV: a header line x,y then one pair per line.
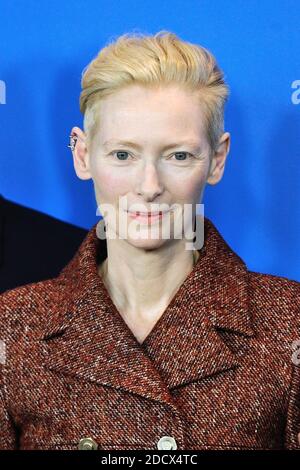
x,y
141,342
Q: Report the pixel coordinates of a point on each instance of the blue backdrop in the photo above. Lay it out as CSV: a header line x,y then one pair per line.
x,y
45,45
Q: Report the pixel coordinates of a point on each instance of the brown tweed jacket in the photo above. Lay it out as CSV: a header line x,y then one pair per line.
x,y
216,372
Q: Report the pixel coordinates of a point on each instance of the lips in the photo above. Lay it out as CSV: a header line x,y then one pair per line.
x,y
146,214
146,217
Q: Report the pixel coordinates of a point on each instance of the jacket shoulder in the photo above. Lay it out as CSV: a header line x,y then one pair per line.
x,y
28,305
275,303
267,284
272,281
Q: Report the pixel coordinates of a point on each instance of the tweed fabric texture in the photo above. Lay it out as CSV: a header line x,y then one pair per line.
x,y
215,372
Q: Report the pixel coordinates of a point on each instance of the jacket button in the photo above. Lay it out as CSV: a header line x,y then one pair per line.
x,y
87,443
167,443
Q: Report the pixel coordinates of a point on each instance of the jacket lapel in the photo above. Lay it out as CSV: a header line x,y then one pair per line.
x,y
96,346
186,344
86,336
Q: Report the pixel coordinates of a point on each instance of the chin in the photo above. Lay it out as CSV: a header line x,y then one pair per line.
x,y
150,244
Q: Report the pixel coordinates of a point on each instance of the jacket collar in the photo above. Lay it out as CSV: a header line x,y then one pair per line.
x,y
86,337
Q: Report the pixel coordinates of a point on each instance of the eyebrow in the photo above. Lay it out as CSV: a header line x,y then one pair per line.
x,y
128,143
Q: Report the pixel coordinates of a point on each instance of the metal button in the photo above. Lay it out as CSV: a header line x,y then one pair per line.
x,y
167,443
87,443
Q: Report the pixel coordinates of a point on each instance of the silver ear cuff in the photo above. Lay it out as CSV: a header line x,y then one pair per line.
x,y
72,143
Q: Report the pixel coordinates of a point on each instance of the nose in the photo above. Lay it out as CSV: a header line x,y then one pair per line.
x,y
149,184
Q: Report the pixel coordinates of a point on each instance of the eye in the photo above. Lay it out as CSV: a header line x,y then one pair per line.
x,y
182,155
122,154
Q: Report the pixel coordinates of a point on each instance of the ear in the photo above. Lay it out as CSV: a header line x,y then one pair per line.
x,y
81,157
218,160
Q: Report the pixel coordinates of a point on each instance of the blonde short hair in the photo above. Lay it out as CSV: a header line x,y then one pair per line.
x,y
153,60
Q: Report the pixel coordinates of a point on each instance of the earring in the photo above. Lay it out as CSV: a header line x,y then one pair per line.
x,y
72,143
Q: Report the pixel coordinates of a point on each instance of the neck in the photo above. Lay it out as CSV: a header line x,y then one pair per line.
x,y
150,284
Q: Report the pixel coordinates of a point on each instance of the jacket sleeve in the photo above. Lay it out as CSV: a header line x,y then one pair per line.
x,y
293,413
7,430
8,435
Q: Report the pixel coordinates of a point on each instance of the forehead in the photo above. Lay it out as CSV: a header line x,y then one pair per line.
x,y
142,111
137,98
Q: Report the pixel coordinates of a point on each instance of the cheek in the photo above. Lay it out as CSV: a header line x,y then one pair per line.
x,y
109,184
188,187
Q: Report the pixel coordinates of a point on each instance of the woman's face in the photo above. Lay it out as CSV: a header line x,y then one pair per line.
x,y
149,153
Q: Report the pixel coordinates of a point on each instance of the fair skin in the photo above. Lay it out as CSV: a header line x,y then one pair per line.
x,y
152,270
